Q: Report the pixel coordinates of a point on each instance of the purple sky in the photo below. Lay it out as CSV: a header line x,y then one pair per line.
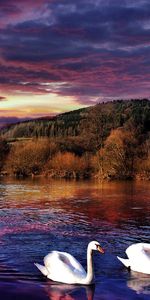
x,y
57,56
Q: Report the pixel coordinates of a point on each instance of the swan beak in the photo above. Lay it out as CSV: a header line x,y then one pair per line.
x,y
100,249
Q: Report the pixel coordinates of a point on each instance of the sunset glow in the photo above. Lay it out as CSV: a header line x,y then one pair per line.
x,y
25,106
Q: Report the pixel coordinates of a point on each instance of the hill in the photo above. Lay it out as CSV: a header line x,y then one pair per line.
x,y
61,125
109,140
135,113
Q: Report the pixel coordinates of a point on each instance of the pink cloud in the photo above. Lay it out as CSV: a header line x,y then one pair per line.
x,y
76,50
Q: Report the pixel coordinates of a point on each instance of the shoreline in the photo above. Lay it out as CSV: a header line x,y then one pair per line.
x,y
95,177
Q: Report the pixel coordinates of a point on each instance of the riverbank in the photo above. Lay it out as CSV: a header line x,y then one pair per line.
x,y
145,176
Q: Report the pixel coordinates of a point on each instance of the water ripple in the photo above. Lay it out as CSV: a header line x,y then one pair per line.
x,y
37,217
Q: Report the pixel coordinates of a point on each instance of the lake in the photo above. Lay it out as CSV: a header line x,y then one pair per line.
x,y
40,215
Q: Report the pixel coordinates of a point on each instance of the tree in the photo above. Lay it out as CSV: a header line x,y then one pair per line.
x,y
69,165
118,155
27,158
143,163
4,150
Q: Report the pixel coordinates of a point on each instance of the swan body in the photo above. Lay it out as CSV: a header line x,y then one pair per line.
x,y
138,258
63,267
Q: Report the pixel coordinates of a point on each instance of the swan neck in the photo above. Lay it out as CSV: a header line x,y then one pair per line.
x,y
90,267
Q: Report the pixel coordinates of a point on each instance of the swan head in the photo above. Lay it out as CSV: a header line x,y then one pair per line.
x,y
94,245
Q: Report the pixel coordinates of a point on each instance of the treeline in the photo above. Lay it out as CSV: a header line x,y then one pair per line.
x,y
107,141
67,124
99,119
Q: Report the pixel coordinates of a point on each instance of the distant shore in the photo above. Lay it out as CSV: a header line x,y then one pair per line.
x,y
108,141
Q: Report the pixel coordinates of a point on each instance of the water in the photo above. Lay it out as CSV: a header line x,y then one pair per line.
x,y
37,216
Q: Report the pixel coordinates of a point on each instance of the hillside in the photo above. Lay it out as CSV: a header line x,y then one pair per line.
x,y
102,117
62,125
109,140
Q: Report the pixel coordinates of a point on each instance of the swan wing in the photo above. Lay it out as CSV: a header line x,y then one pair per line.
x,y
139,257
72,261
124,261
63,267
146,249
140,249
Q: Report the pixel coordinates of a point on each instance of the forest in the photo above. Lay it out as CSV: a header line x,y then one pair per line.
x,y
106,141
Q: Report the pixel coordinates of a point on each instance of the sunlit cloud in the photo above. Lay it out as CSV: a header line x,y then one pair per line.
x,y
40,105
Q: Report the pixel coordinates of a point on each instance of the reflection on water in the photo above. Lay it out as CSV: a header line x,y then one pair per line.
x,y
37,216
69,292
139,283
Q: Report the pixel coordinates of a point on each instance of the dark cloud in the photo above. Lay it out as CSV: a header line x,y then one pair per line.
x,y
2,98
4,121
89,48
7,120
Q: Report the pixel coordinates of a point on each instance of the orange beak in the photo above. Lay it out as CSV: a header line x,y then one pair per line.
x,y
100,249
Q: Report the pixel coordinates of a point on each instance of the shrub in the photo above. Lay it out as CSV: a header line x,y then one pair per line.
x,y
4,150
26,158
116,158
69,165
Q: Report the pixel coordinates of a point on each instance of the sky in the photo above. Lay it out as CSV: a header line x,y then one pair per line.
x,y
61,55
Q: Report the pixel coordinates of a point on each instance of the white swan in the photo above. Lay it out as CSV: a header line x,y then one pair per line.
x,y
138,258
63,267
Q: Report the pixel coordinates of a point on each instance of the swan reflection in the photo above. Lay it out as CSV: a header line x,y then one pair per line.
x,y
140,283
69,292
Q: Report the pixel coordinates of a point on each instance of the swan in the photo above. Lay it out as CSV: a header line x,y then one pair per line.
x,y
138,258
63,267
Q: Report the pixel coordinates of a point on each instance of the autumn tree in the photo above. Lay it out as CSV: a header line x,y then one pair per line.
x,y
143,162
117,156
4,149
26,158
69,165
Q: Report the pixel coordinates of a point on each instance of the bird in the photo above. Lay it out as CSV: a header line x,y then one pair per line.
x,y
64,268
138,258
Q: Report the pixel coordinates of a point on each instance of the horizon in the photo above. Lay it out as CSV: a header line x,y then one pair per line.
x,y
8,121
59,56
